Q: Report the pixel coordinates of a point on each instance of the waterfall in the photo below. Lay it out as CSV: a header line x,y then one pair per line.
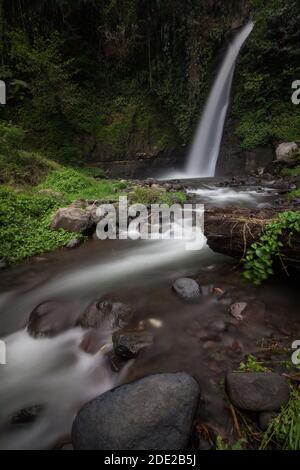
x,y
205,150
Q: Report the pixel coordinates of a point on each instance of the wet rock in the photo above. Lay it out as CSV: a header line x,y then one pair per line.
x,y
187,289
27,415
128,344
154,413
286,151
106,314
261,391
264,205
265,419
49,319
237,309
72,219
252,181
177,187
75,243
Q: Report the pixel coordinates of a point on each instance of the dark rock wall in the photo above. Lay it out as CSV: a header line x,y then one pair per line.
x,y
235,161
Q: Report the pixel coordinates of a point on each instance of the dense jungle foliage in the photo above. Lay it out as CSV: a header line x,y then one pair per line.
x,y
109,77
94,80
101,79
262,100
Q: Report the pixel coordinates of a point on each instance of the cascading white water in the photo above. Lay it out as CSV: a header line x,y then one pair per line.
x,y
205,151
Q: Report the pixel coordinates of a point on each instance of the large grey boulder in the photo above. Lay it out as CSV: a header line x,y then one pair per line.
x,y
259,391
154,413
286,151
72,219
187,289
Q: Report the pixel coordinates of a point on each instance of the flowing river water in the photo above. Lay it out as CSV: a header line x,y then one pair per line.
x,y
58,375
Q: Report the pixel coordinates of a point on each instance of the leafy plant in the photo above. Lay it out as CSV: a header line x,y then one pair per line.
x,y
238,445
284,430
75,184
252,365
24,219
259,260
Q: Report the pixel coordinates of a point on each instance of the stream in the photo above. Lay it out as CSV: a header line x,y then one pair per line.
x,y
57,375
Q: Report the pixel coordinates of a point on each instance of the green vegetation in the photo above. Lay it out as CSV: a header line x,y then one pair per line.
x,y
259,260
33,188
25,215
252,365
284,430
238,445
73,184
156,196
96,79
24,219
262,101
17,166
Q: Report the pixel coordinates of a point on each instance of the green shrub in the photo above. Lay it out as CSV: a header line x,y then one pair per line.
x,y
24,219
252,365
75,184
267,69
284,430
259,260
18,166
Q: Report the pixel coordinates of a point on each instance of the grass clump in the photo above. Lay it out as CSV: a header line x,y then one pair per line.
x,y
252,365
24,219
238,445
75,184
149,196
284,430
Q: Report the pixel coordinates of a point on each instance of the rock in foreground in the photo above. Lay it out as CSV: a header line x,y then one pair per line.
x,y
261,391
154,413
187,289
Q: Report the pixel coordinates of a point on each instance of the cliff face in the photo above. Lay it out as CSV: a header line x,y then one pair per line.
x,y
262,114
126,82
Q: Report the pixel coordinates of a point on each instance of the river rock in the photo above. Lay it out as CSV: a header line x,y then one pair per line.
x,y
154,413
264,205
187,289
49,319
27,415
260,391
285,152
265,419
106,314
237,309
72,219
127,344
